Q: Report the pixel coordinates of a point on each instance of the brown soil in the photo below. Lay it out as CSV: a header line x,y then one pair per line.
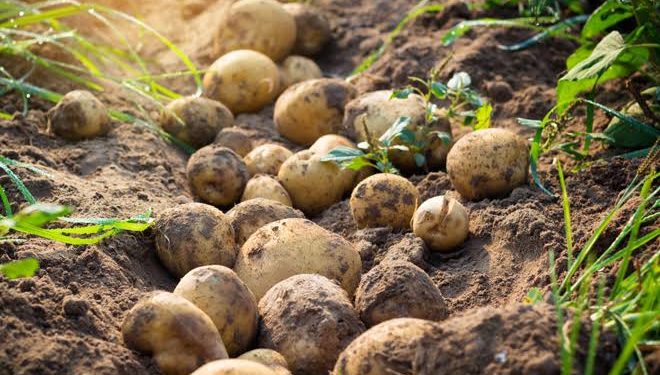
x,y
66,319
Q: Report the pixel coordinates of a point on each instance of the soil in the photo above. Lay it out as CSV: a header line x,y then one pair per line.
x,y
66,319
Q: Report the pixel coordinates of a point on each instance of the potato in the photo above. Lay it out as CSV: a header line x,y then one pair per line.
x,y
217,175
384,200
290,247
296,69
194,120
177,333
488,163
259,25
328,142
442,223
193,235
253,214
270,358
398,289
79,115
243,80
233,367
314,185
266,159
312,28
267,187
229,303
310,320
310,109
236,139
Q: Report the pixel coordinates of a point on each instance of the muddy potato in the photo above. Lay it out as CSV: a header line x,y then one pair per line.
x,y
233,367
312,28
194,120
384,200
328,142
253,214
217,175
229,303
270,358
78,115
259,25
243,80
266,159
296,69
290,247
488,163
309,319
308,110
442,223
266,187
236,139
180,336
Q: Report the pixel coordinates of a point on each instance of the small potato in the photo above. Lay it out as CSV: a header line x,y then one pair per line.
x,y
243,80
79,115
233,367
263,186
310,320
308,110
384,200
270,358
194,120
193,235
442,223
488,163
217,175
259,25
236,139
253,214
312,28
266,159
229,303
296,69
290,247
179,335
328,142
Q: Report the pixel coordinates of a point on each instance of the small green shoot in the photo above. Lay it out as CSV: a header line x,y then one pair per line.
x,y
17,269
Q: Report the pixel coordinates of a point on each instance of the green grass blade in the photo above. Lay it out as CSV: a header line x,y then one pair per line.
x,y
595,331
18,183
566,206
5,203
27,267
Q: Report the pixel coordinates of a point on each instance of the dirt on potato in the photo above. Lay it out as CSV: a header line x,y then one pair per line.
x,y
66,319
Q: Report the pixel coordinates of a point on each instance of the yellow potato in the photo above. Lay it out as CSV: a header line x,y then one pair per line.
x,y
296,69
235,139
217,175
194,120
442,223
312,28
270,358
328,142
233,367
247,217
79,115
384,200
266,159
267,187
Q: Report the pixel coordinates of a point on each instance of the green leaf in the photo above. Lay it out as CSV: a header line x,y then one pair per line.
x,y
648,132
602,57
534,296
534,124
483,117
407,136
444,136
20,268
395,130
342,153
401,94
463,27
420,160
605,16
439,90
357,163
40,214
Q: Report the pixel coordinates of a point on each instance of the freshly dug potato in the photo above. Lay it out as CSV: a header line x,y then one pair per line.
x,y
180,336
296,69
193,235
314,185
266,159
328,142
217,175
259,25
243,80
488,163
79,115
398,289
384,200
253,214
236,139
229,303
233,367
442,223
310,320
310,109
312,28
195,120
270,358
290,247
267,187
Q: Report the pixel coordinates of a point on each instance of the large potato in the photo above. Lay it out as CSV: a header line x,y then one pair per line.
x,y
247,217
193,235
312,28
266,187
217,175
296,69
233,367
78,115
177,333
229,303
488,163
442,223
295,246
329,142
266,159
384,200
243,80
259,25
235,139
195,120
270,358
310,320
310,109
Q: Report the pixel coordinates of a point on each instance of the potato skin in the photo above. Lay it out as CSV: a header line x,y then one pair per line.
x,y
266,187
310,320
233,367
235,139
312,28
442,223
243,80
247,217
290,247
310,109
217,175
193,235
269,358
229,303
296,69
178,334
78,115
328,142
258,25
266,159
195,120
488,163
384,200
